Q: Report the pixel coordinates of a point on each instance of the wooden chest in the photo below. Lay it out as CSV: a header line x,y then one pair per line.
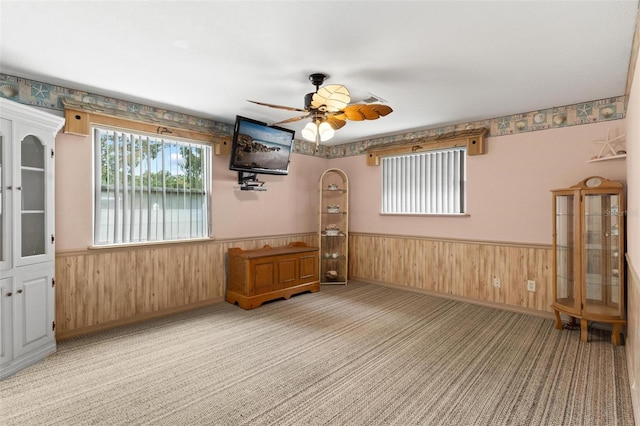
x,y
269,273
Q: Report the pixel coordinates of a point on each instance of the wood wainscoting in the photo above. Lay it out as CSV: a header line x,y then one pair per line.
x,y
107,287
455,268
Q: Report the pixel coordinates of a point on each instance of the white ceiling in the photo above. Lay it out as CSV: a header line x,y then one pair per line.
x,y
434,62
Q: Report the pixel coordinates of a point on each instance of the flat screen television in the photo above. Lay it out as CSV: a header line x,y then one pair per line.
x,y
259,148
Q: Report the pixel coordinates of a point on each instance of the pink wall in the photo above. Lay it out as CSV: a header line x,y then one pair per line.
x,y
633,240
508,188
508,191
74,192
633,177
289,206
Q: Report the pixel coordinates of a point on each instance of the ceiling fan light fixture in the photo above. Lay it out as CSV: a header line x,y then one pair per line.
x,y
326,131
310,131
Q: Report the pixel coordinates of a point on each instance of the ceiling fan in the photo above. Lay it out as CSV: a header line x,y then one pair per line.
x,y
329,108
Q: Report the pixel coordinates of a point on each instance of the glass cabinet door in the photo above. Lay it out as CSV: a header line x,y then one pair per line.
x,y
602,261
566,281
33,201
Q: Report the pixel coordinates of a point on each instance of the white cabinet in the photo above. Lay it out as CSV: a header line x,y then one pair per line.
x,y
6,321
27,250
33,310
27,312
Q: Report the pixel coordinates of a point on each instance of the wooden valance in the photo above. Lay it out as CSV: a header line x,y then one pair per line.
x,y
78,120
473,139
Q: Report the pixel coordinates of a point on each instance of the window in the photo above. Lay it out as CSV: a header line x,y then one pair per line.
x,y
432,182
149,188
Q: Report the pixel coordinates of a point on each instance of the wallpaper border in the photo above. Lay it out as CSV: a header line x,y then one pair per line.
x,y
45,95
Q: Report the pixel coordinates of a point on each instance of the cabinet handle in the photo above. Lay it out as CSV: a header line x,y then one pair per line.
x,y
9,187
9,294
19,188
19,291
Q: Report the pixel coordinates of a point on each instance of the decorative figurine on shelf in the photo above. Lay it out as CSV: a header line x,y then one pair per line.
x,y
333,208
332,187
608,150
332,229
331,275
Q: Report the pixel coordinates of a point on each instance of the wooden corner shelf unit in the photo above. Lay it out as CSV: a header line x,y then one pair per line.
x,y
333,230
269,273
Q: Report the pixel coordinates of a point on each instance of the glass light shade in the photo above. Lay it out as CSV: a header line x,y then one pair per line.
x,y
326,131
310,131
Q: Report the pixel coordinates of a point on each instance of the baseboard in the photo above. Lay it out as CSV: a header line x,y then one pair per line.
x,y
502,306
136,319
26,360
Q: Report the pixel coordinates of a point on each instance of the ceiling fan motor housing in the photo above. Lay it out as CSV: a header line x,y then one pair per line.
x,y
317,79
307,100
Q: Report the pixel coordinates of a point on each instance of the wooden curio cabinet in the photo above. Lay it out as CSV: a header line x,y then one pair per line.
x,y
333,232
588,255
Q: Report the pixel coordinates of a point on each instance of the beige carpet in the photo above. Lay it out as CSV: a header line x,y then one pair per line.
x,y
356,355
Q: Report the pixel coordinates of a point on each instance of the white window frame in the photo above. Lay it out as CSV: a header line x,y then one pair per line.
x,y
126,225
425,183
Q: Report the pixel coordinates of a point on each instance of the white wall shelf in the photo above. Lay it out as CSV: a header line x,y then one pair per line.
x,y
611,157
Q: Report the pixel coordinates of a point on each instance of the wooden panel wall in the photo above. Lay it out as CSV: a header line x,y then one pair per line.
x,y
102,288
456,268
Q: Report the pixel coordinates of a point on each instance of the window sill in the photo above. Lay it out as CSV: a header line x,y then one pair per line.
x,y
427,214
149,243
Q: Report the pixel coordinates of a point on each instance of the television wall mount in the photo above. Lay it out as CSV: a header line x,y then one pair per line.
x,y
250,182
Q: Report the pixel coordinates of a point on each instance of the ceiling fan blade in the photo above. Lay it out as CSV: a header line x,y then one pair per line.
x,y
278,106
338,115
336,122
293,119
333,97
359,112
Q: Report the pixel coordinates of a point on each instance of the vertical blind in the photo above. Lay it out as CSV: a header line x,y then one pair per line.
x,y
425,183
148,188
